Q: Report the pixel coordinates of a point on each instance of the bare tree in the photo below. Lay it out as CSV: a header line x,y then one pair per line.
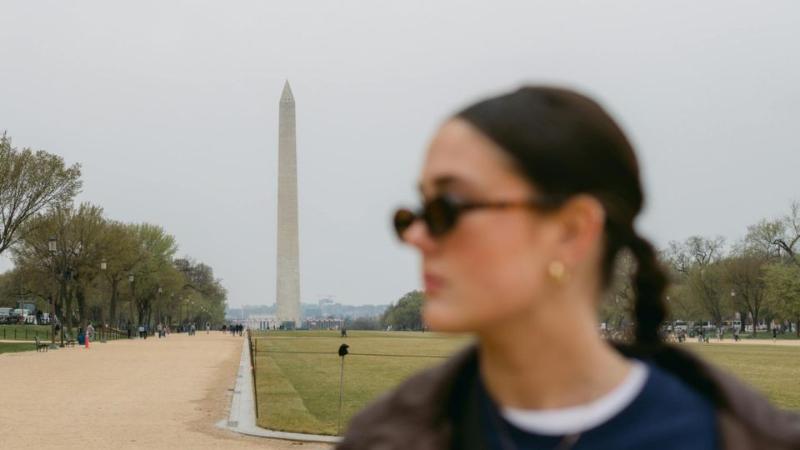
x,y
616,309
705,251
695,264
789,242
677,257
761,238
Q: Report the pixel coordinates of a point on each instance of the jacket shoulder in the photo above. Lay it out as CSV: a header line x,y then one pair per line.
x,y
749,417
746,419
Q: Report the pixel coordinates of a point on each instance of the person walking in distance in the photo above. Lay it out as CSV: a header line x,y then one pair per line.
x,y
89,334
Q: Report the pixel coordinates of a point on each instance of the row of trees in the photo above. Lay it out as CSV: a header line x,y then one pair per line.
x,y
756,278
74,261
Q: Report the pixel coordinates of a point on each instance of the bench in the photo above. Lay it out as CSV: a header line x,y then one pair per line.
x,y
68,341
41,345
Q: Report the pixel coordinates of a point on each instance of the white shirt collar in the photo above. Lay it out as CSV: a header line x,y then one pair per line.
x,y
577,419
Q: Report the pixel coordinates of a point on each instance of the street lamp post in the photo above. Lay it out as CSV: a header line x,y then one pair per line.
x,y
52,248
158,307
104,326
171,310
69,274
132,281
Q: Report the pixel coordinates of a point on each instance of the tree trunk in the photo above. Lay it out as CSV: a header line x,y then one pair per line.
x,y
133,300
140,311
112,310
82,313
68,309
755,323
742,321
62,300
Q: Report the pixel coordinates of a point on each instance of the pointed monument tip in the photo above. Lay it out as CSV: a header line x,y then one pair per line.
x,y
286,95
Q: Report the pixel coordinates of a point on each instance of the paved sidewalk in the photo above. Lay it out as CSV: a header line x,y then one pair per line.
x,y
152,393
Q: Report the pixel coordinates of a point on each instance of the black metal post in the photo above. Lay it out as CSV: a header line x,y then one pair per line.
x,y
342,353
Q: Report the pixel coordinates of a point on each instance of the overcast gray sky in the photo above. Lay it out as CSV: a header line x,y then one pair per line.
x,y
171,107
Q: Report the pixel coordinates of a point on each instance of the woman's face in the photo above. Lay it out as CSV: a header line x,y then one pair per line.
x,y
492,266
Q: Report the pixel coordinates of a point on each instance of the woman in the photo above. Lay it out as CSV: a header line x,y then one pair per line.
x,y
528,199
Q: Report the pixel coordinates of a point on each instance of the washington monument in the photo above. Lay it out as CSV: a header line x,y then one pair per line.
x,y
288,280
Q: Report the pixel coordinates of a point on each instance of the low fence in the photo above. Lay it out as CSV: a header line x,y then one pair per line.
x,y
24,332
44,333
109,334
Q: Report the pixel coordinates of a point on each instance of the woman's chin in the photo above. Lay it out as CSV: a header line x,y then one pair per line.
x,y
439,316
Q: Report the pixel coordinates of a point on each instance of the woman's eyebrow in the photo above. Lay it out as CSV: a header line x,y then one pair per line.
x,y
442,182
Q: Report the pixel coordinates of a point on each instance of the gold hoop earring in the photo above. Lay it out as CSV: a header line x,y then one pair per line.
x,y
557,270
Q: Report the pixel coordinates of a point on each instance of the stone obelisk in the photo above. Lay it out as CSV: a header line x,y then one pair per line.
x,y
288,281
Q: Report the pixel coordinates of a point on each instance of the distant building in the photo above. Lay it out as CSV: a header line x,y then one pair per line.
x,y
329,323
262,322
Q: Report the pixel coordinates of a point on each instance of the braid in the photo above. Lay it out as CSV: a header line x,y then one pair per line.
x,y
649,283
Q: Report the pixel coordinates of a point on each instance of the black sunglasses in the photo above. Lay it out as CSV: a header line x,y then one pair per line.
x,y
442,212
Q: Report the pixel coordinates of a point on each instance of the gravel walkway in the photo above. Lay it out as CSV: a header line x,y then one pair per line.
x,y
152,393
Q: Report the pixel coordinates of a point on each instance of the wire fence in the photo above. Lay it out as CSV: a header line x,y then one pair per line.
x,y
334,353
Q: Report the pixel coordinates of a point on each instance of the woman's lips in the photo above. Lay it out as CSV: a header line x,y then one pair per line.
x,y
433,283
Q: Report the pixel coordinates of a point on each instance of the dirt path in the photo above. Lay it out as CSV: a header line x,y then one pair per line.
x,y
729,341
166,393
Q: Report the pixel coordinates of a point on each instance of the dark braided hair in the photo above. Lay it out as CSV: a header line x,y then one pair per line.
x,y
565,144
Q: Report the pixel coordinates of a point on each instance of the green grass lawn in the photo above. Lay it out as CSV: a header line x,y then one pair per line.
x,y
24,332
12,347
762,335
772,369
300,391
297,373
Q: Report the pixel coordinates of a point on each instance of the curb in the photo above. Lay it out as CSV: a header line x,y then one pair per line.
x,y
242,417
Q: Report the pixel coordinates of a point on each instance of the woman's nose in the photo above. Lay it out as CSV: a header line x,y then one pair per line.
x,y
417,235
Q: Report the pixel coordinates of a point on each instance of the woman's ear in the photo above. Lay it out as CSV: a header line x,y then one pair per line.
x,y
582,219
